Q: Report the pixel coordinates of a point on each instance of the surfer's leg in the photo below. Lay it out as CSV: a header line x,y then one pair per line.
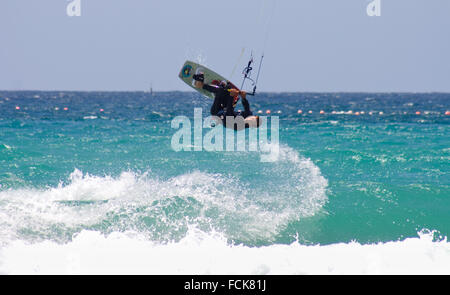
x,y
215,108
251,121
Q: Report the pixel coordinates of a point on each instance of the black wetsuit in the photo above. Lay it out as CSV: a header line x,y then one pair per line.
x,y
223,103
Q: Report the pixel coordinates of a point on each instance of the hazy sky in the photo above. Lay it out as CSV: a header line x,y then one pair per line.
x,y
310,45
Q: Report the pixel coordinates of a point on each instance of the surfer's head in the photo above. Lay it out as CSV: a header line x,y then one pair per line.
x,y
226,84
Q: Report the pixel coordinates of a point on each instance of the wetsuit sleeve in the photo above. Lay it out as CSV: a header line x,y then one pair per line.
x,y
246,105
211,88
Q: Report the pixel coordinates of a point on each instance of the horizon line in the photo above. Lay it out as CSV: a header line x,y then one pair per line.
x,y
265,92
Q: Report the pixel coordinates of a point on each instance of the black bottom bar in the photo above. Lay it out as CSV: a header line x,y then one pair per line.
x,y
214,284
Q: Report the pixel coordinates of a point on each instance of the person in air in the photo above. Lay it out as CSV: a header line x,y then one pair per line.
x,y
225,99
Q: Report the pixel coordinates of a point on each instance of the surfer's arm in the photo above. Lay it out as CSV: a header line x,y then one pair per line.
x,y
210,88
207,87
236,92
247,111
198,84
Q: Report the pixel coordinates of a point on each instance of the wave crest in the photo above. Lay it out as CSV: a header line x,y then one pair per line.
x,y
252,210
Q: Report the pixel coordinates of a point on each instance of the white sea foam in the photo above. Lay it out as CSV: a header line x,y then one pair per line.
x,y
208,253
163,209
5,146
90,117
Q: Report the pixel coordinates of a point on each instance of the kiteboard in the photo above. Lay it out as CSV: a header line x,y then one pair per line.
x,y
191,68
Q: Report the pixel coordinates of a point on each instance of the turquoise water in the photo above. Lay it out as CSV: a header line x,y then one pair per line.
x,y
105,165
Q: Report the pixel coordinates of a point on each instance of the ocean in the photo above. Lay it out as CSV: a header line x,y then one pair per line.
x,y
90,184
